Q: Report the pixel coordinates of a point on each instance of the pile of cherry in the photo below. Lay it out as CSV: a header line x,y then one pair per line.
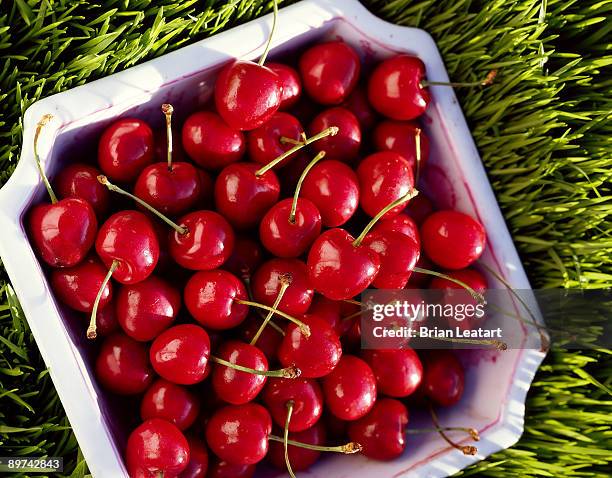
x,y
222,269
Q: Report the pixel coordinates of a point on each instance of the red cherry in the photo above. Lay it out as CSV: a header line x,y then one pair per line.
x,y
161,145
239,433
401,223
180,354
395,89
62,232
444,377
269,339
224,469
198,459
78,286
315,355
208,243
80,181
471,277
125,148
240,104
245,258
156,448
330,311
382,432
146,309
350,389
357,103
210,142
306,395
106,321
128,238
419,280
419,208
300,458
265,143
244,198
330,71
453,240
333,187
170,402
383,178
291,85
343,146
398,372
122,365
398,254
400,137
210,298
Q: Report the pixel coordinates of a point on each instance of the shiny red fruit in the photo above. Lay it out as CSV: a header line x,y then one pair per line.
x,y
398,255
331,311
471,277
106,320
224,469
343,146
269,340
444,377
198,459
81,181
170,402
358,104
400,137
266,144
306,396
398,372
291,84
300,458
245,258
419,208
401,223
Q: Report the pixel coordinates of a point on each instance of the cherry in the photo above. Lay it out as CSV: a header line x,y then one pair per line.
x,y
269,339
300,458
122,365
274,138
443,378
350,388
79,181
210,142
170,402
343,146
307,400
291,85
330,311
125,148
401,223
224,469
453,240
239,433
398,256
398,372
180,354
382,431
156,448
471,277
198,459
147,308
245,258
357,103
334,189
400,137
106,321
330,71
419,209
78,286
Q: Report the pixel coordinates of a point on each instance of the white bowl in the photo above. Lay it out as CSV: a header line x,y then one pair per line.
x,y
496,383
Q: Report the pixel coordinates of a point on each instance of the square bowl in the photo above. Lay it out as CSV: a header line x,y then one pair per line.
x,y
496,382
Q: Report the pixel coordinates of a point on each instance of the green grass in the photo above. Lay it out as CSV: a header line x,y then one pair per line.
x,y
543,130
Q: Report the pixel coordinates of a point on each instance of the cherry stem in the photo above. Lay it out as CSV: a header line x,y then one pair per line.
x,y
404,199
290,405
476,295
262,60
285,282
303,327
420,431
43,121
104,180
167,110
465,449
91,329
285,140
298,187
417,145
331,131
487,81
347,449
289,372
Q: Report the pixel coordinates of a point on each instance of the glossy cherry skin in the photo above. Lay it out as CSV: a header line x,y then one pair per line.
x,y
350,389
245,258
266,283
300,458
382,432
265,144
401,223
147,308
170,402
210,142
81,181
383,178
334,188
247,94
180,354
269,340
122,365
453,240
398,372
106,320
129,238
198,459
234,386
291,84
239,433
224,469
208,243
243,198
357,103
126,147
398,254
156,448
62,233
419,208
344,146
78,286
316,355
338,269
331,311
394,88
210,297
307,400
444,377
400,136
284,238
330,72
169,191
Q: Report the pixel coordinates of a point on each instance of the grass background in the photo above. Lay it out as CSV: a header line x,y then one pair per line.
x,y
543,130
